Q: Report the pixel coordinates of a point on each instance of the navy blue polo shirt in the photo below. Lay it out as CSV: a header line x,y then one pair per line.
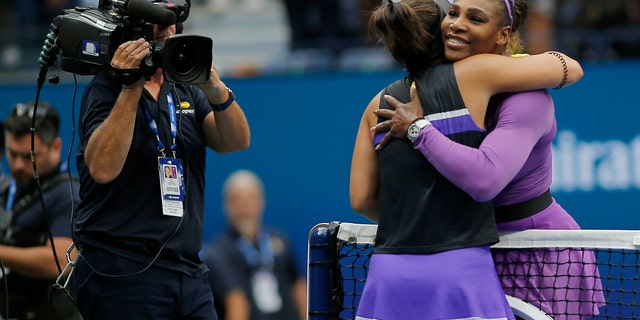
x,y
30,228
231,268
58,202
124,216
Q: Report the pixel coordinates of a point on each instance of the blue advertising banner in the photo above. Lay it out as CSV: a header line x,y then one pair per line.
x,y
303,130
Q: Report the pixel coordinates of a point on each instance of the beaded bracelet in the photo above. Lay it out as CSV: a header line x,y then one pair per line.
x,y
565,69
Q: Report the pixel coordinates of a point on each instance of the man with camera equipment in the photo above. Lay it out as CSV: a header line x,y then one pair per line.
x,y
28,222
139,234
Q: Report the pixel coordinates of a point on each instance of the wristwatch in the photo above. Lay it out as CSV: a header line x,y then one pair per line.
x,y
415,128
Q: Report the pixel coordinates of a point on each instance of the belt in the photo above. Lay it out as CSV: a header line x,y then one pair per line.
x,y
523,210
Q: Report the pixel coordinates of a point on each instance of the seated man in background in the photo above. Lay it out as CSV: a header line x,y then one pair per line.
x,y
253,272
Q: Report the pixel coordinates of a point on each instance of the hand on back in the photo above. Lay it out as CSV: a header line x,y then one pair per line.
x,y
399,119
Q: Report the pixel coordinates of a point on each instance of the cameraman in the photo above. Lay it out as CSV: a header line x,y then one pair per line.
x,y
139,236
25,249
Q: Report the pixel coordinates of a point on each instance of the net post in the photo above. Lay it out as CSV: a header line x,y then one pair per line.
x,y
318,290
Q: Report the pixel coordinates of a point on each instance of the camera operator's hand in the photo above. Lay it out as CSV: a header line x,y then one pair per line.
x,y
129,54
126,61
215,90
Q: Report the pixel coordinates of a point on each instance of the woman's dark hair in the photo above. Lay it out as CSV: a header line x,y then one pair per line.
x,y
411,31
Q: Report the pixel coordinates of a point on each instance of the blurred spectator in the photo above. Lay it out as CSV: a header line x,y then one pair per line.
x,y
220,7
326,28
29,22
598,30
627,44
28,225
322,24
253,272
540,26
7,57
592,30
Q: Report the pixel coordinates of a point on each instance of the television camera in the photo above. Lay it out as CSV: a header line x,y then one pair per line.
x,y
88,38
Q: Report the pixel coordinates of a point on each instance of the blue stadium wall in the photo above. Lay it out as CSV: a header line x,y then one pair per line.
x,y
303,129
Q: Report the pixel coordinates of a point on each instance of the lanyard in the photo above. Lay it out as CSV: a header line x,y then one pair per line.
x,y
261,256
11,195
154,126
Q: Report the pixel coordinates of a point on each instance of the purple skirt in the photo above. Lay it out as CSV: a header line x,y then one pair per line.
x,y
564,283
456,284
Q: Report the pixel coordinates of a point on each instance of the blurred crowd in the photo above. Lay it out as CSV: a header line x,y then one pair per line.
x,y
331,35
590,30
23,28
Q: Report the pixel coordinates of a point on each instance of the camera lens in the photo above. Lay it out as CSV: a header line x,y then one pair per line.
x,y
182,58
187,58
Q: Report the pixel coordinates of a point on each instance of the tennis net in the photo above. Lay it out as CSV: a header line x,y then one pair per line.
x,y
546,274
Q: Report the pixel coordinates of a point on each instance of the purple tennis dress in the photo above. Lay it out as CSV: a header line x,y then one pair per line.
x,y
512,166
444,285
564,283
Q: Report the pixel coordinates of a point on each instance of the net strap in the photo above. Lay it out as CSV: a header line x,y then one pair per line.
x,y
357,233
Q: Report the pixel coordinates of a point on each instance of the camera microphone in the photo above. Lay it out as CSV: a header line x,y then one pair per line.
x,y
143,9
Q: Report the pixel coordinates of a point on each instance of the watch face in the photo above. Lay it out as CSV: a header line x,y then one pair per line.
x,y
415,128
413,131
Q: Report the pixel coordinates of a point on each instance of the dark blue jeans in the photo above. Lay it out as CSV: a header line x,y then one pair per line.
x,y
153,294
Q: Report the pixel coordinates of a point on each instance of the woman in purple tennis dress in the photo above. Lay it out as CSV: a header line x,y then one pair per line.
x,y
512,166
432,258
